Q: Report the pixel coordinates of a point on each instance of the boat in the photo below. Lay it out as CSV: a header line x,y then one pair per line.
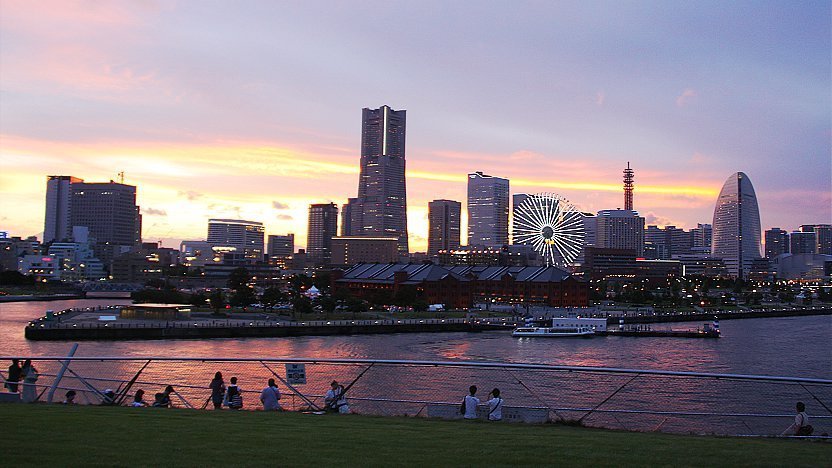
x,y
553,332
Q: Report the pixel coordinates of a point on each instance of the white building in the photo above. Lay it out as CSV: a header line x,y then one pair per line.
x,y
736,228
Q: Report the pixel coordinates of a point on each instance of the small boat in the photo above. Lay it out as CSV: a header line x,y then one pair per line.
x,y
552,332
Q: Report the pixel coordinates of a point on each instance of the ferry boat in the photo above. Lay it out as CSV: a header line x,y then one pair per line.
x,y
553,332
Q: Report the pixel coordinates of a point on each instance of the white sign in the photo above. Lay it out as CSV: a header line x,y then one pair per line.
x,y
296,374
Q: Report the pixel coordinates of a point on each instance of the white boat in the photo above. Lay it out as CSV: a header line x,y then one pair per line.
x,y
552,332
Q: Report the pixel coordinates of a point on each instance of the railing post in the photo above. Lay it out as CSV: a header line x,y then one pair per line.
x,y
60,375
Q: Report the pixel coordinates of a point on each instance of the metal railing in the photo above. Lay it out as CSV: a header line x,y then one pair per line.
x,y
631,399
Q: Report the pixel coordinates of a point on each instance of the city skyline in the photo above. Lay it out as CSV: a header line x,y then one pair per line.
x,y
551,108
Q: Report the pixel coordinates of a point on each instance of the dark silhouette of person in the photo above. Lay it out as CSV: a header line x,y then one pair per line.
x,y
14,375
217,387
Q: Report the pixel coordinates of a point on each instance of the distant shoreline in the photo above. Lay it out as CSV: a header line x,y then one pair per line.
x,y
42,297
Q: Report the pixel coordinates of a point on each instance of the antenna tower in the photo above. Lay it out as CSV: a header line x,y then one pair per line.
x,y
628,187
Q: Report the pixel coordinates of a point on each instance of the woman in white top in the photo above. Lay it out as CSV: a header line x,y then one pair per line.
x,y
471,403
495,406
800,426
30,376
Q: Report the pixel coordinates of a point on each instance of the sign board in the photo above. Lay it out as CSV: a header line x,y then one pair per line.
x,y
296,374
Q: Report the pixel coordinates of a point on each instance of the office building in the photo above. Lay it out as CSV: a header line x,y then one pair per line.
x,y
281,249
444,217
323,225
736,226
380,210
57,222
351,250
777,242
347,216
701,236
108,210
803,242
823,237
244,236
487,210
620,229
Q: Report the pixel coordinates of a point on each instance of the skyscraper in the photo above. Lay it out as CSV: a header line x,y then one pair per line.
x,y
516,200
245,236
381,206
57,222
701,236
823,237
777,242
109,210
803,242
443,225
736,226
323,226
281,249
487,210
620,229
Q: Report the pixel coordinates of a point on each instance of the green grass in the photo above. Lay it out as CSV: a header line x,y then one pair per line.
x,y
103,436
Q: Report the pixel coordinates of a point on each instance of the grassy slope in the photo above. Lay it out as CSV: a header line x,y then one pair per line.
x,y
90,436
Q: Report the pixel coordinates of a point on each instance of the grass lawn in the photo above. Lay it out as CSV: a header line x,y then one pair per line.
x,y
55,435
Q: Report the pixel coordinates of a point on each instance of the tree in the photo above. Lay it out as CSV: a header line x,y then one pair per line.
x,y
239,278
302,305
271,297
198,299
162,296
217,300
12,277
327,304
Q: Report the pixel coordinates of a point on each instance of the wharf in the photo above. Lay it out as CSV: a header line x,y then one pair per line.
x,y
662,333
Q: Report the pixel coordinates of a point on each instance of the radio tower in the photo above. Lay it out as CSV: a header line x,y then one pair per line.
x,y
628,187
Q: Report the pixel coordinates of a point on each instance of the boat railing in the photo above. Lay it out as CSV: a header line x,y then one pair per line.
x,y
678,401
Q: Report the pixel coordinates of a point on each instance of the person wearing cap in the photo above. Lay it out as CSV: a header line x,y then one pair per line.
x,y
109,397
335,399
69,398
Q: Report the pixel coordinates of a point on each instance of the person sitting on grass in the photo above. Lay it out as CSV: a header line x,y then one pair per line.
x,y
469,403
69,398
270,396
495,406
234,395
800,426
138,399
336,399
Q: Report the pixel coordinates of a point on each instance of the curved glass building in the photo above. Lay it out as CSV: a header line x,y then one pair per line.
x,y
736,226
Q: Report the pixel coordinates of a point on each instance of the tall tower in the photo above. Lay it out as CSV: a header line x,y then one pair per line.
x,y
487,210
628,187
443,225
323,224
57,224
381,206
736,226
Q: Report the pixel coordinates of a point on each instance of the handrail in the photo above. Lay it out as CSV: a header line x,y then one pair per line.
x,y
475,364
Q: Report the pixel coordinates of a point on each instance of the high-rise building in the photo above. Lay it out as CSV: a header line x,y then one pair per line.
x,y
245,236
443,225
803,242
777,242
736,226
323,226
352,250
628,187
281,249
58,222
516,200
620,229
823,236
655,244
381,206
347,216
487,210
701,236
108,210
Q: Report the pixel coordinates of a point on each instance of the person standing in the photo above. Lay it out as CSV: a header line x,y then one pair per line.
x,y
14,376
336,399
233,395
217,386
30,376
270,396
495,406
470,403
800,426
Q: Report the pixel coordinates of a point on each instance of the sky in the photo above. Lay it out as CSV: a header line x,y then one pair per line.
x,y
252,110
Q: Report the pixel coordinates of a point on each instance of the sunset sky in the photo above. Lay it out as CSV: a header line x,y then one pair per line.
x,y
252,110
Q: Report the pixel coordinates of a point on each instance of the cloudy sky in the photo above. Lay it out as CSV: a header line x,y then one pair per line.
x,y
252,110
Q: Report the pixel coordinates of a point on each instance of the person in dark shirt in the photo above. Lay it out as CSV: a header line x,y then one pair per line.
x,y
14,375
217,386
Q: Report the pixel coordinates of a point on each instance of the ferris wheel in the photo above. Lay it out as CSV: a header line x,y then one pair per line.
x,y
552,226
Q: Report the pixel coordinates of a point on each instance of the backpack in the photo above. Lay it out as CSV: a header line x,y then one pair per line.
x,y
806,430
